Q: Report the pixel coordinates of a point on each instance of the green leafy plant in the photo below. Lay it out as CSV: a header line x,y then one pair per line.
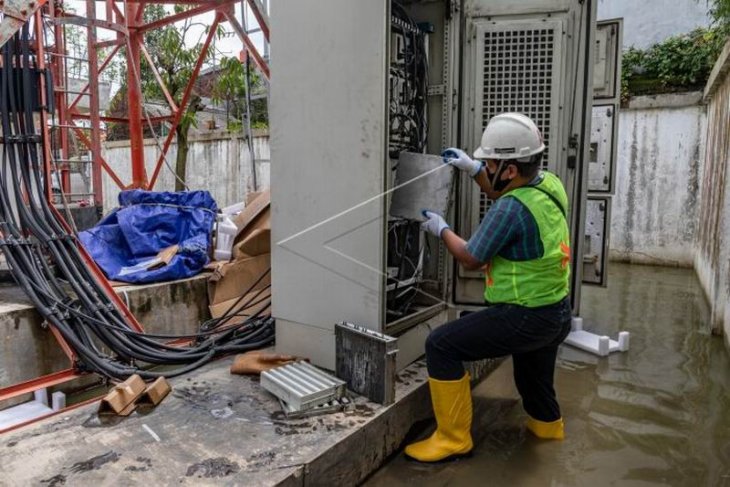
x,y
174,51
230,90
175,61
679,63
720,11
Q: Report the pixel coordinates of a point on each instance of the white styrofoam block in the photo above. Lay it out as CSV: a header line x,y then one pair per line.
x,y
58,401
222,255
226,232
41,396
590,342
599,345
576,324
623,341
22,412
34,409
234,209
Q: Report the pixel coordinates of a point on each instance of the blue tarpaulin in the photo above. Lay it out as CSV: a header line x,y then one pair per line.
x,y
125,243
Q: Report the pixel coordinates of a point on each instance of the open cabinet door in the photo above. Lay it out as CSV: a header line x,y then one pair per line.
x,y
535,59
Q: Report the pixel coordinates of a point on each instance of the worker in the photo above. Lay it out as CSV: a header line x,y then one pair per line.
x,y
523,247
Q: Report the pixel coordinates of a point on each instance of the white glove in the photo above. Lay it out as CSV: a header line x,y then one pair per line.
x,y
434,223
461,160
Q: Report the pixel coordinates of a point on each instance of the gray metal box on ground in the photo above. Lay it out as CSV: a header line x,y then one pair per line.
x,y
302,386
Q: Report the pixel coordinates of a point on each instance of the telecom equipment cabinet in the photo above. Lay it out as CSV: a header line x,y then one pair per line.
x,y
356,82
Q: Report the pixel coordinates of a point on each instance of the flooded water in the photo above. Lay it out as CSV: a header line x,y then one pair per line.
x,y
657,415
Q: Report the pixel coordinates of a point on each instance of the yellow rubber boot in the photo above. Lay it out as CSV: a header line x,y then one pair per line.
x,y
451,401
554,430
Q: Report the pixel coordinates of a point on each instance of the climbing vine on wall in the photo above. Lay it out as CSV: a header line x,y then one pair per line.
x,y
680,63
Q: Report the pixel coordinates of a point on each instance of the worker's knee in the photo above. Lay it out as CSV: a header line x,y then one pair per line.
x,y
442,361
436,342
431,344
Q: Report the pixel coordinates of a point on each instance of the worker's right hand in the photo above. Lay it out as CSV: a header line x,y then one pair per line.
x,y
461,160
434,224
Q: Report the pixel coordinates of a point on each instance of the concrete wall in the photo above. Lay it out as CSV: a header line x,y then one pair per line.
x,y
659,166
219,163
28,349
712,258
646,23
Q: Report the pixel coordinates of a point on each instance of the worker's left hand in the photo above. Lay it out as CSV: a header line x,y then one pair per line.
x,y
434,224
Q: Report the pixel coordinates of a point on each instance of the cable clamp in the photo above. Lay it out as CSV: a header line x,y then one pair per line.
x,y
22,139
81,366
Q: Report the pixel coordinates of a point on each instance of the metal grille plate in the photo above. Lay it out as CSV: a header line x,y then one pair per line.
x,y
302,385
520,64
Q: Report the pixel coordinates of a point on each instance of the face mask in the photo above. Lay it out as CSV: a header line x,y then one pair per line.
x,y
498,184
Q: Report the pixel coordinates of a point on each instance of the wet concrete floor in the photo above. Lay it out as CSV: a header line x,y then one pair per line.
x,y
657,415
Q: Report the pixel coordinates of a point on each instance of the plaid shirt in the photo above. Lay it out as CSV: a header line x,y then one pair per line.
x,y
508,230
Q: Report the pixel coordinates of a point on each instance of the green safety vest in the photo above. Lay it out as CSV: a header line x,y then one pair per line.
x,y
542,281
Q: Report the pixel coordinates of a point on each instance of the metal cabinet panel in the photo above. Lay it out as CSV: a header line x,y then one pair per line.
x,y
328,140
602,160
595,245
517,66
571,93
607,60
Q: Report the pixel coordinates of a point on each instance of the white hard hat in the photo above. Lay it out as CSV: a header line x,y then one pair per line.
x,y
510,136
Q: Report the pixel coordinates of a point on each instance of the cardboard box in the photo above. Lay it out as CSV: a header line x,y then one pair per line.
x,y
252,196
259,303
258,242
122,398
251,260
155,393
255,215
254,227
233,279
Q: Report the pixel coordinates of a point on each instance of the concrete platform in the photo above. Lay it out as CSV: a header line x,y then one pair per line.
x,y
28,350
218,429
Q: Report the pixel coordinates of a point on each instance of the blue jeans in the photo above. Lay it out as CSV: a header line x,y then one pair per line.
x,y
530,335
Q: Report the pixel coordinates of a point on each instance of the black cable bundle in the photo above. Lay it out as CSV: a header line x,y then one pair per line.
x,y
37,247
408,86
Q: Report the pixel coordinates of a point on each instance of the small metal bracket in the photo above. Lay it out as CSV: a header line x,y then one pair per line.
x,y
434,90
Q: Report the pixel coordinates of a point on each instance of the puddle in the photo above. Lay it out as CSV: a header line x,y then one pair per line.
x,y
657,415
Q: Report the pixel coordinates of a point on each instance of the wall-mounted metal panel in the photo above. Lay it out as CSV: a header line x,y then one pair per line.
x,y
607,60
518,70
492,8
601,163
520,63
595,245
602,158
